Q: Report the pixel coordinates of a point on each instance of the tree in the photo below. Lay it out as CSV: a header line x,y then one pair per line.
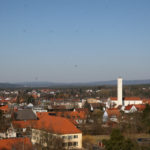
x,y
118,142
48,141
146,118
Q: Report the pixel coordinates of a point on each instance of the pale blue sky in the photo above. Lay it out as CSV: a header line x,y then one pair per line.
x,y
74,40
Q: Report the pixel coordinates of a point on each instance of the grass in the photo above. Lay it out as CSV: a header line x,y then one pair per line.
x,y
94,139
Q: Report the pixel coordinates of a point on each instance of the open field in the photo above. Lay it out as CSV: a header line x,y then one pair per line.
x,y
94,139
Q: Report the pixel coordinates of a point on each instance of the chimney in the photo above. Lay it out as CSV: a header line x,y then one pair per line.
x,y
119,92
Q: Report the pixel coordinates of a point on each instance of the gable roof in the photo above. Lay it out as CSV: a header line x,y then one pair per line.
x,y
128,107
139,107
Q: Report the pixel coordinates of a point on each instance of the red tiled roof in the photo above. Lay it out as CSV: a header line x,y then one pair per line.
x,y
23,124
113,98
128,107
113,111
75,114
140,107
4,108
53,124
132,98
19,143
126,98
3,101
57,99
146,101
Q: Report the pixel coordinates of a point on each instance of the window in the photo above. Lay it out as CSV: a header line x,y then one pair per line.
x,y
75,143
69,137
69,143
75,136
64,137
65,144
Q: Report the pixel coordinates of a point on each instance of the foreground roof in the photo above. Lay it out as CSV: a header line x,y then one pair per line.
x,y
15,143
54,124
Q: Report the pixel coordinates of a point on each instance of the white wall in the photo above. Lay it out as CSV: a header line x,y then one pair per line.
x,y
119,91
66,137
126,103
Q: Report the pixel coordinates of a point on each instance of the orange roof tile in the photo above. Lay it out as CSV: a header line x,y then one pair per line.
x,y
4,108
140,107
23,124
126,98
113,98
146,101
113,111
9,144
55,124
128,107
131,98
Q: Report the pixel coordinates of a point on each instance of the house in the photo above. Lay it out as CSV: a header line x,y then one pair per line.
x,y
140,107
15,143
52,125
38,109
30,105
77,116
126,101
93,100
146,101
58,127
4,108
23,127
134,108
130,109
10,133
111,114
96,106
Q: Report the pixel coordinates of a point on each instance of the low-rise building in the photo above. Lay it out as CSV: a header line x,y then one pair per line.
x,y
59,127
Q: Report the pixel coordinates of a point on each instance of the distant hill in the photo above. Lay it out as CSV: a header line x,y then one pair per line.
x,y
53,84
9,85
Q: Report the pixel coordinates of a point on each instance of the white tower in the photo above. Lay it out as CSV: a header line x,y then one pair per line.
x,y
119,92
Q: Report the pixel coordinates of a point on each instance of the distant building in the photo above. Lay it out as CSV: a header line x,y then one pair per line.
x,y
120,100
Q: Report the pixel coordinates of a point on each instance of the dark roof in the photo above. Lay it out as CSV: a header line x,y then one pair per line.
x,y
25,114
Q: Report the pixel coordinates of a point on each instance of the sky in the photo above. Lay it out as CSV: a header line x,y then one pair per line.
x,y
74,40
